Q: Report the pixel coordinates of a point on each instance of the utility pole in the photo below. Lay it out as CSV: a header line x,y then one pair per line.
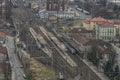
x,y
1,1
92,10
56,27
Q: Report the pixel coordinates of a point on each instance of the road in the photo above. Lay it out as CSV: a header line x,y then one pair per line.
x,y
118,54
17,72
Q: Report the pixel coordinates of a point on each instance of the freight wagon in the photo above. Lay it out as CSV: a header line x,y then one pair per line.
x,y
70,48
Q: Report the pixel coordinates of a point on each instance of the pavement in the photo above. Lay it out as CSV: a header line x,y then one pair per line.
x,y
17,72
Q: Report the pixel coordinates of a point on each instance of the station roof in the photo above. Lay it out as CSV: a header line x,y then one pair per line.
x,y
105,24
98,19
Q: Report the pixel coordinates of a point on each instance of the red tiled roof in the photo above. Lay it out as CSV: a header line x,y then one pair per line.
x,y
117,22
105,24
96,19
2,35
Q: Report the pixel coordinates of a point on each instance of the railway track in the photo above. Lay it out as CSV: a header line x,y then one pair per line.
x,y
58,64
59,46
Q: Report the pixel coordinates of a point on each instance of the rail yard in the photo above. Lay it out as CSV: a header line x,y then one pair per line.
x,y
36,40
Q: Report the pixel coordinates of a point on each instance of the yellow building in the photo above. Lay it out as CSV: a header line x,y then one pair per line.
x,y
86,25
117,25
91,24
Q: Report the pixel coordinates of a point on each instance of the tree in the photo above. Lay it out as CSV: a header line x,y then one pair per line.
x,y
71,24
103,2
93,57
116,7
108,68
116,70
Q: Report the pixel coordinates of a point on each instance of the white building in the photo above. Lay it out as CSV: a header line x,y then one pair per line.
x,y
59,14
90,24
114,1
105,31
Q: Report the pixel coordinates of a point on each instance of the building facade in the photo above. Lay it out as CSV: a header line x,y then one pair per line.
x,y
117,2
5,9
2,8
56,5
117,26
105,31
59,14
91,23
2,37
86,25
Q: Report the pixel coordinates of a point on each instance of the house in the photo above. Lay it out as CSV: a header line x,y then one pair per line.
x,y
117,25
2,37
91,23
101,53
5,70
41,4
81,42
105,31
59,14
81,37
95,20
116,2
3,53
2,9
86,25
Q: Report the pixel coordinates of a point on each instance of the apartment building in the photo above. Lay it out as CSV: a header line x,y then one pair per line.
x,y
105,31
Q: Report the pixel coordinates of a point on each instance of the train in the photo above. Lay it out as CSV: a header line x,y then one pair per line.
x,y
84,11
14,3
70,48
38,45
79,9
24,46
61,42
41,39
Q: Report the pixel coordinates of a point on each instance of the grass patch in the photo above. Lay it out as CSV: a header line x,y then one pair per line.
x,y
77,22
39,71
